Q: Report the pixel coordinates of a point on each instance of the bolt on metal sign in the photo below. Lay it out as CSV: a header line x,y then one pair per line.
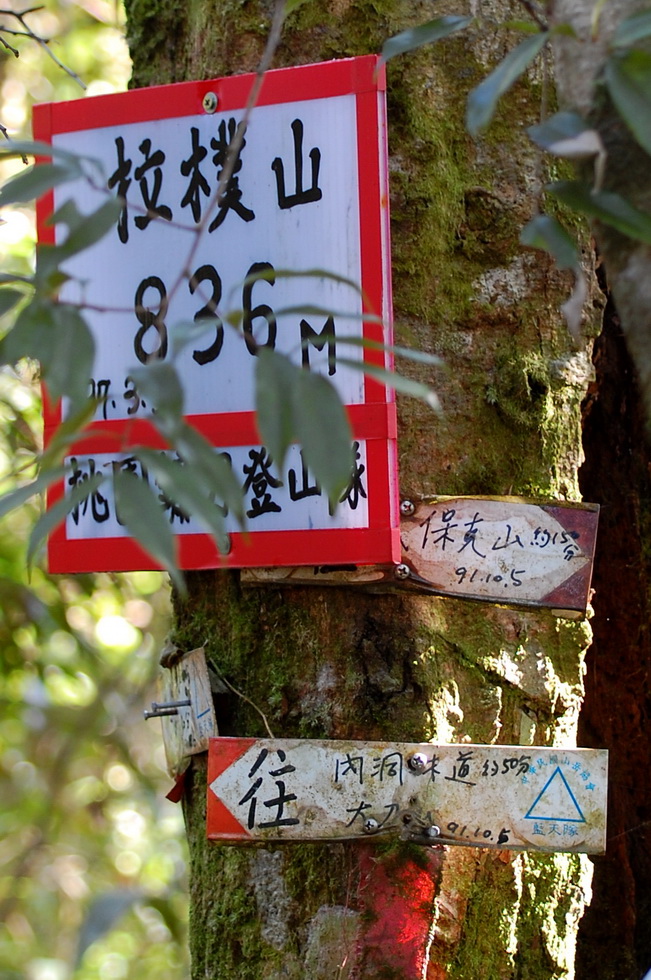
x,y
499,796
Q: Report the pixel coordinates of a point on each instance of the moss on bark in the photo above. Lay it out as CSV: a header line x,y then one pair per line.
x,y
341,663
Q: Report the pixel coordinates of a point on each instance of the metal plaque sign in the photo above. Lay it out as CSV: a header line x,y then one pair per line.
x,y
307,194
502,550
499,796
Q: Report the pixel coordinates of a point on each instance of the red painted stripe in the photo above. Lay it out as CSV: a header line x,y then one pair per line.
x,y
324,80
337,546
221,824
396,897
376,420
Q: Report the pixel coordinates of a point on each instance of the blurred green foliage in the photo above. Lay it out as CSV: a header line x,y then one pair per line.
x,y
92,857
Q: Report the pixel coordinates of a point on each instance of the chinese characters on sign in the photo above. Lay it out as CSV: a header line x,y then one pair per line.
x,y
306,193
503,550
270,503
517,797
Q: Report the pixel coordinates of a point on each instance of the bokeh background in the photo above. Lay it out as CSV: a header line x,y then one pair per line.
x,y
92,855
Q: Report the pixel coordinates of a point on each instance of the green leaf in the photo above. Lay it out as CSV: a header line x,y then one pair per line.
x,y
276,380
184,332
85,230
632,29
33,335
67,432
323,430
313,273
210,469
160,384
628,78
548,234
558,128
407,352
179,485
483,100
57,336
7,277
611,209
563,30
524,26
310,309
406,386
9,298
292,5
140,510
34,182
71,362
54,515
104,912
35,148
416,37
16,498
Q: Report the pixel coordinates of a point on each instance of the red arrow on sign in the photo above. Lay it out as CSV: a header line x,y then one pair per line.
x,y
222,822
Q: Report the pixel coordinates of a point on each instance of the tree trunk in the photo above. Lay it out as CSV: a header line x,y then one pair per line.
x,y
616,475
339,663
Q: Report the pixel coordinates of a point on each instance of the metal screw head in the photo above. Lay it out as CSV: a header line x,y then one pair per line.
x,y
210,101
370,825
417,761
402,571
433,831
407,508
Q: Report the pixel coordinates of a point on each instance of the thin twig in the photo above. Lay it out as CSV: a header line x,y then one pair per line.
x,y
20,16
536,13
236,143
248,701
6,45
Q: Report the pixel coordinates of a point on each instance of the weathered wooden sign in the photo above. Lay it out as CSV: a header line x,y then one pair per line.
x,y
500,796
185,683
307,194
503,550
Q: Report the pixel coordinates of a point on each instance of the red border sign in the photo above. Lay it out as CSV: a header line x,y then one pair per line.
x,y
373,420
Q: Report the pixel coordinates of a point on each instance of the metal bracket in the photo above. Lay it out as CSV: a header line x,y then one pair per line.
x,y
168,708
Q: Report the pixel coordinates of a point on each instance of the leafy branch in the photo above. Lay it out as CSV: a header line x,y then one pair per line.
x,y
626,77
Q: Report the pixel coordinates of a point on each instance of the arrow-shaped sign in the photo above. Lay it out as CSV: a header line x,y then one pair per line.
x,y
503,550
500,796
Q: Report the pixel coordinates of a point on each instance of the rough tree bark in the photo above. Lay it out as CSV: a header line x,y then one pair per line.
x,y
615,936
341,664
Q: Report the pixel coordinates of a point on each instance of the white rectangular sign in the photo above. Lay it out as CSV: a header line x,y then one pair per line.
x,y
298,249
501,796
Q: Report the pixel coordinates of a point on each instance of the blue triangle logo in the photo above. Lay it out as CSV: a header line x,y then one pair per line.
x,y
556,801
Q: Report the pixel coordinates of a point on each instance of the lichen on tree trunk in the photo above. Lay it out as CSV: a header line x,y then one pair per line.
x,y
339,663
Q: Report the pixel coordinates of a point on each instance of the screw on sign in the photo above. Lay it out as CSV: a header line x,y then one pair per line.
x,y
516,797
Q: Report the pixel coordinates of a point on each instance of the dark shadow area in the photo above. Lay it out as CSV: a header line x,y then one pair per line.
x,y
615,933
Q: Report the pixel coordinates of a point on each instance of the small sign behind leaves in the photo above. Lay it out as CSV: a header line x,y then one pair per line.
x,y
188,731
499,796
